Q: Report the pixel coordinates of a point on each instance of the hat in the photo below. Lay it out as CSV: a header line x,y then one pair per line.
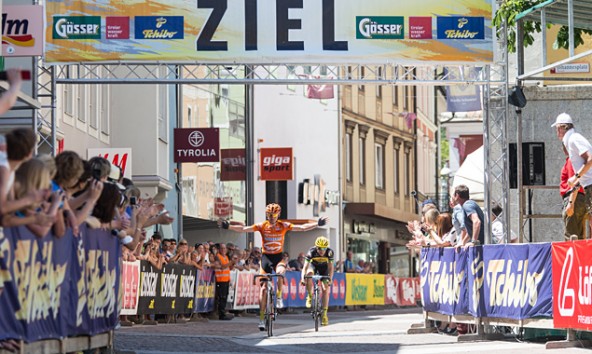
x,y
563,118
428,201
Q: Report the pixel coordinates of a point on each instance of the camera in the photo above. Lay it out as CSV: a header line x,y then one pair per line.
x,y
133,201
96,173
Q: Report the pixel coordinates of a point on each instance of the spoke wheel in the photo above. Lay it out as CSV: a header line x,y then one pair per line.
x,y
317,312
270,314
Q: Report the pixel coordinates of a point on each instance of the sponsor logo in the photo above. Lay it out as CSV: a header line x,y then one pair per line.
x,y
455,27
77,27
420,28
16,32
380,27
276,163
117,27
159,27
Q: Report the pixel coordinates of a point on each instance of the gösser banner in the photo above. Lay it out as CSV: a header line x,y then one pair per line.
x,y
273,31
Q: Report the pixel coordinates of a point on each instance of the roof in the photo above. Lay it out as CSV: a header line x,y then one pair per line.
x,y
556,11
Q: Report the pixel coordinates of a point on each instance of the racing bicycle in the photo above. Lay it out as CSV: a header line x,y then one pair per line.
x,y
317,300
270,307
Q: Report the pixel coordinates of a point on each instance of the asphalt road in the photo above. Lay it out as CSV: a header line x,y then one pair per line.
x,y
372,331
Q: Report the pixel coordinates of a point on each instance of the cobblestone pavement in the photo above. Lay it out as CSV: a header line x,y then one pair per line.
x,y
374,331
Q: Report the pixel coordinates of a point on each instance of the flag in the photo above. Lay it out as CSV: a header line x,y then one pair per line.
x,y
320,92
465,98
409,118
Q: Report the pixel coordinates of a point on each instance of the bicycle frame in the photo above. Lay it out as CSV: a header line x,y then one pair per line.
x,y
270,309
317,301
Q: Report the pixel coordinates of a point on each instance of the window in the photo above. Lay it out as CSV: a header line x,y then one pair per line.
x,y
162,93
81,107
362,161
407,171
379,86
348,157
362,74
379,165
189,116
68,100
405,98
396,170
104,110
93,109
395,95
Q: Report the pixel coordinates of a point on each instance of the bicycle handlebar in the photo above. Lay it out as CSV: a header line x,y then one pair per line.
x,y
269,276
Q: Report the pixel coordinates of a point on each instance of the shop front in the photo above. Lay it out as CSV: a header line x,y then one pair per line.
x,y
380,245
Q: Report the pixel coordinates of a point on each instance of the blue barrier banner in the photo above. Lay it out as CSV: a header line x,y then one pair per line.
x,y
504,281
97,280
337,297
57,287
204,291
517,281
294,294
443,281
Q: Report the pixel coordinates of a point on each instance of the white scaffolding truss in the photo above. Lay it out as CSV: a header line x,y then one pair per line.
x,y
493,79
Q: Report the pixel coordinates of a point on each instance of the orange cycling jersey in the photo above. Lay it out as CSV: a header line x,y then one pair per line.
x,y
273,235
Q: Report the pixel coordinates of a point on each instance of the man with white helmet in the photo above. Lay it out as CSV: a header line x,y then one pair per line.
x,y
319,260
579,150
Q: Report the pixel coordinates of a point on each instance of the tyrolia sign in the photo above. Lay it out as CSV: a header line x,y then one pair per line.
x,y
197,145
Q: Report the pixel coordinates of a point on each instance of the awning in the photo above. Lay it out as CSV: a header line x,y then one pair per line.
x,y
556,11
24,101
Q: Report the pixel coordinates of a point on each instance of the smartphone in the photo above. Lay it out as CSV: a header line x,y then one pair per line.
x,y
133,201
96,173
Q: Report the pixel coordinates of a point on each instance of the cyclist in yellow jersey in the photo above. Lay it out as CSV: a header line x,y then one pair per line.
x,y
273,232
319,260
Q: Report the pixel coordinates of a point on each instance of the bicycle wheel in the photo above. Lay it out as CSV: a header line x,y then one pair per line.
x,y
317,310
270,313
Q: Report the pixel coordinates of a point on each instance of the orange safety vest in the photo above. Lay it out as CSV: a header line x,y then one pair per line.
x,y
222,275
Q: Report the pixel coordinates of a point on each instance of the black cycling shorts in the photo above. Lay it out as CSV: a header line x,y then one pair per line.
x,y
269,262
319,269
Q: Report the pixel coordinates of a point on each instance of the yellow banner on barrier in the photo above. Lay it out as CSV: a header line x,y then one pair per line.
x,y
364,289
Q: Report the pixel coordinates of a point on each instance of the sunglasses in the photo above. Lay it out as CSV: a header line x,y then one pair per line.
x,y
322,248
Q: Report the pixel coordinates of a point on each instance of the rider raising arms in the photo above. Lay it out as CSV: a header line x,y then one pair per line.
x,y
319,260
273,232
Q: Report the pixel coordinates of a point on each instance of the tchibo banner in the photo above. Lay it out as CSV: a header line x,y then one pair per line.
x,y
276,31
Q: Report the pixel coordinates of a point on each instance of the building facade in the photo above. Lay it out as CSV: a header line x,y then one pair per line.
x,y
380,173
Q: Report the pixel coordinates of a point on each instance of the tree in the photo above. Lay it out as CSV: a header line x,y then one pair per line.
x,y
509,9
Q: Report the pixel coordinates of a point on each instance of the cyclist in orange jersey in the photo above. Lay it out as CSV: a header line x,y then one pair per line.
x,y
273,232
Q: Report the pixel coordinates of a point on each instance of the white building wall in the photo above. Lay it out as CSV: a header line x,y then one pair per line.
x,y
284,117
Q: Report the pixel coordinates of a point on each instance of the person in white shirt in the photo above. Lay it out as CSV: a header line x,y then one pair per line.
x,y
579,150
498,234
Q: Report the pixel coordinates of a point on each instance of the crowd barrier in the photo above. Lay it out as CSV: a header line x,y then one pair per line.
x,y
59,288
177,289
66,294
541,285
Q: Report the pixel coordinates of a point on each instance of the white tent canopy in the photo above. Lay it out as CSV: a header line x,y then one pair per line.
x,y
471,173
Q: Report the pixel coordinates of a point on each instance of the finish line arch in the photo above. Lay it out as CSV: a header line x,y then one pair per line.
x,y
347,41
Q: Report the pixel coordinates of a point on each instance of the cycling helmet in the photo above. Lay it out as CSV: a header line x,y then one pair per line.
x,y
322,242
273,209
